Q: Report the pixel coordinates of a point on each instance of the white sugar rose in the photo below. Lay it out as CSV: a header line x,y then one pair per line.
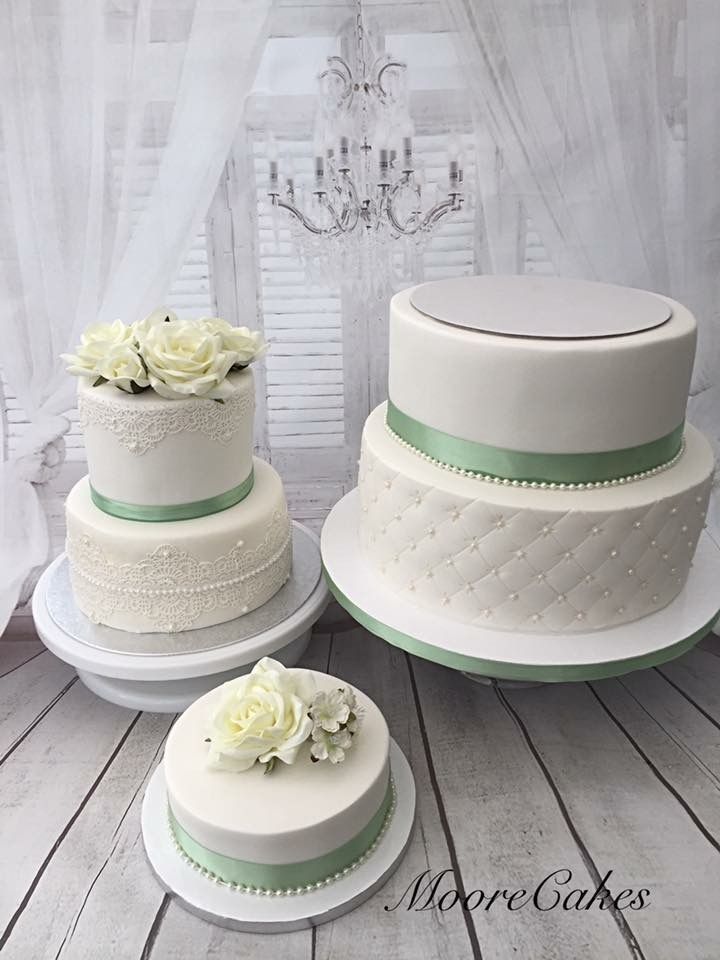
x,y
95,344
262,716
245,343
142,327
123,367
184,359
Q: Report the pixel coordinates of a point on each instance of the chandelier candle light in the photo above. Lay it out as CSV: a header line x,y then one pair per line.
x,y
367,188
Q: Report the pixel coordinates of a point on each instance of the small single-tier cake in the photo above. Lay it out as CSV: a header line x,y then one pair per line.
x,y
279,780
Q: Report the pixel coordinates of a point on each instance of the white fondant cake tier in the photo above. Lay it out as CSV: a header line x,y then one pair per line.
x,y
144,449
182,574
298,812
543,561
574,395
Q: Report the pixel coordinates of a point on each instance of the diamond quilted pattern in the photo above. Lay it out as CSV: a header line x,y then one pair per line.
x,y
535,568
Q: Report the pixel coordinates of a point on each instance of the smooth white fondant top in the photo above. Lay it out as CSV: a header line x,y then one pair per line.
x,y
298,812
527,306
541,395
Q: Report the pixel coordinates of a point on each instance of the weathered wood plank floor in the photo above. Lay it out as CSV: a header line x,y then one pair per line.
x,y
513,785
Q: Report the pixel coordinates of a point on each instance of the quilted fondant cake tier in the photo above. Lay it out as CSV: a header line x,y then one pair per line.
x,y
542,395
143,449
178,575
303,824
538,560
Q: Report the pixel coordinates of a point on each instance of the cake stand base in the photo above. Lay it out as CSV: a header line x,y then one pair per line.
x,y
515,656
165,673
256,913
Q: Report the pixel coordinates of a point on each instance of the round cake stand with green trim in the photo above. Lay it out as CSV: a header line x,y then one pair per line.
x,y
165,672
271,912
501,655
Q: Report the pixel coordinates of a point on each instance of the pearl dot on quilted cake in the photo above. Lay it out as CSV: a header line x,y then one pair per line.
x,y
595,531
245,609
653,543
513,596
621,610
411,587
455,515
613,553
364,509
429,574
541,576
449,561
473,544
487,612
398,517
589,578
561,598
470,588
536,617
698,499
655,598
568,555
606,593
494,572
431,531
413,545
520,554
546,531
683,528
499,523
396,558
630,572
673,511
643,584
445,601
691,545
418,498
665,556
387,484
579,615
673,569
637,524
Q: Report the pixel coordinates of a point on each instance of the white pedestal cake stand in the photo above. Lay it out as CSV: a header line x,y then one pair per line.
x,y
257,913
514,656
165,672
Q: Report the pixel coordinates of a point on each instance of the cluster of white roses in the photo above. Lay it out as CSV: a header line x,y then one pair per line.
x,y
176,358
267,715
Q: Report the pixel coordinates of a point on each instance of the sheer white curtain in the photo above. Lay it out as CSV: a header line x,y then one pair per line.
x,y
578,99
83,87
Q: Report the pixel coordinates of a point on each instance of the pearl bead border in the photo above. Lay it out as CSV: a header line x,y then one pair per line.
x,y
538,484
292,891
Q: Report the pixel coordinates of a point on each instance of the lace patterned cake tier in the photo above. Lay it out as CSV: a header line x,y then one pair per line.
x,y
140,425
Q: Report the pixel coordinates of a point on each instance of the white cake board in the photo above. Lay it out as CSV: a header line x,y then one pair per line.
x,y
515,656
255,913
170,682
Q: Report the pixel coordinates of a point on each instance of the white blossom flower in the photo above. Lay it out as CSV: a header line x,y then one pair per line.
x,y
95,344
183,358
142,327
123,367
245,343
330,746
261,716
330,710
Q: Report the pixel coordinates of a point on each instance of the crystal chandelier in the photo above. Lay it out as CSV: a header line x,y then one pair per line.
x,y
364,220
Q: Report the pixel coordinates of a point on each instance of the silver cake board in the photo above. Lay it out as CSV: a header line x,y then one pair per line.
x,y
501,655
271,913
164,672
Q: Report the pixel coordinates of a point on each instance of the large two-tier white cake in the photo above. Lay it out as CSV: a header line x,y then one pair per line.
x,y
532,469
177,525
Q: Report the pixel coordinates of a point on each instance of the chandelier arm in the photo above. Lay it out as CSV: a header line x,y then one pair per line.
x,y
378,82
351,212
429,219
305,220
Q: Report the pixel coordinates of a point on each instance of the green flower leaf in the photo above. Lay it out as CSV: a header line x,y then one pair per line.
x,y
99,382
270,765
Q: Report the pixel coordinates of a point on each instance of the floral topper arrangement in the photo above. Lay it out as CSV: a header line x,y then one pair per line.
x,y
175,358
267,715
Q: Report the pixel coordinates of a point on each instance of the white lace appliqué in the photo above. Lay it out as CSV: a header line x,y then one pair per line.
x,y
170,588
140,427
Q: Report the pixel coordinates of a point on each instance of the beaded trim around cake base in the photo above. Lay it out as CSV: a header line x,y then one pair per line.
x,y
292,891
537,484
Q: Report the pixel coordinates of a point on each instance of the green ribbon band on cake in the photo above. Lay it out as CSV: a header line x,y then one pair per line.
x,y
543,673
160,513
283,876
593,467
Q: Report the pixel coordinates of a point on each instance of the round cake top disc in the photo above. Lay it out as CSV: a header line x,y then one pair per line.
x,y
547,307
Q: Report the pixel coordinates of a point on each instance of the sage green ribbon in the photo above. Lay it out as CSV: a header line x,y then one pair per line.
x,y
557,673
158,513
283,876
592,467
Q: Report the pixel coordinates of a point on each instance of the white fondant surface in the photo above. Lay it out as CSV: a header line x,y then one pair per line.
x,y
543,561
541,395
144,449
528,306
299,812
183,574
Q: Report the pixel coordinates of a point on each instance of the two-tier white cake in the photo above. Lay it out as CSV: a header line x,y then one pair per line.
x,y
176,525
532,469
